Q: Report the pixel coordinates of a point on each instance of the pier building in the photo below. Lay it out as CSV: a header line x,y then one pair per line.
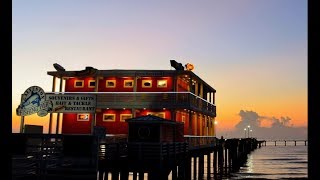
x,y
177,94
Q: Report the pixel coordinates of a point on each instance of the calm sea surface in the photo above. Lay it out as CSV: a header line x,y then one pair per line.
x,y
269,162
275,162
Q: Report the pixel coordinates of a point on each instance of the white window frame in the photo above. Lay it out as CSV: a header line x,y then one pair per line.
x,y
157,114
90,81
109,114
123,115
147,80
75,83
79,116
125,81
114,83
162,80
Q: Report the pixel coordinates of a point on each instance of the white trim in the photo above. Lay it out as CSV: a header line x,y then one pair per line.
x,y
146,80
91,80
121,116
109,114
166,83
111,80
75,82
86,115
157,113
128,80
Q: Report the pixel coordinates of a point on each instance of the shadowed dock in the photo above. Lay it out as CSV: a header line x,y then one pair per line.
x,y
44,156
154,146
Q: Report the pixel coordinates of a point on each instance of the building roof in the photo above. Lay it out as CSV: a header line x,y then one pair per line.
x,y
93,72
150,119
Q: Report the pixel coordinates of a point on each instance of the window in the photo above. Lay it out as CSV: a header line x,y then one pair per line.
x,y
183,118
109,117
123,117
146,83
78,83
159,114
128,83
162,83
110,83
83,117
92,83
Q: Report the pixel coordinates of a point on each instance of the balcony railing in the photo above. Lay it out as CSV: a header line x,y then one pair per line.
x,y
196,142
156,100
152,100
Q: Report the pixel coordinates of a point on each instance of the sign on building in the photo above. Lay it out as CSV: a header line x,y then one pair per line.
x,y
72,103
35,100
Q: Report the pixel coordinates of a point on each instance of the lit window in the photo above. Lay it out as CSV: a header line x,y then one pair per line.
x,y
159,114
92,83
128,83
146,83
78,83
123,117
162,83
183,118
83,117
110,83
109,117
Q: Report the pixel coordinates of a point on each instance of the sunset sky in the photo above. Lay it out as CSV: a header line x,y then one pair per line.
x,y
253,52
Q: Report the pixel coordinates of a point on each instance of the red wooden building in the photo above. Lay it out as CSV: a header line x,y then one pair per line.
x,y
178,95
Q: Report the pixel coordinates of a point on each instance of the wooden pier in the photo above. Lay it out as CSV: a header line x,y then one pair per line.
x,y
154,146
49,156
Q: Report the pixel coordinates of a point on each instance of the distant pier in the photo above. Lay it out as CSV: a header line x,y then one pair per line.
x,y
281,142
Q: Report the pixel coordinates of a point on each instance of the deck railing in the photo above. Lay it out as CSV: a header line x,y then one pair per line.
x,y
200,141
156,100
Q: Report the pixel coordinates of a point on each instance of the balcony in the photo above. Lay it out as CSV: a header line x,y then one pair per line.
x,y
155,100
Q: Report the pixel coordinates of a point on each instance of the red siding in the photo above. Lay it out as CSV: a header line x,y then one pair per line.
x,y
119,85
186,121
116,127
70,125
154,87
69,87
182,85
145,112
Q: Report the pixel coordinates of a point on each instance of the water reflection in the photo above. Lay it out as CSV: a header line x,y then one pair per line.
x,y
267,162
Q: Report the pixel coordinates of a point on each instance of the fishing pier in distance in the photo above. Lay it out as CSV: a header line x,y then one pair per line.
x,y
154,146
285,142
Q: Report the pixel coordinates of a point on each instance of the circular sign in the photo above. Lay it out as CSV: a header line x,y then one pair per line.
x,y
144,132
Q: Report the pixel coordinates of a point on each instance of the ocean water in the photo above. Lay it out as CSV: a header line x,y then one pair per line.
x,y
275,162
267,162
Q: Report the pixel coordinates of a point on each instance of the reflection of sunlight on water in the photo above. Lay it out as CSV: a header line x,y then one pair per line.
x,y
109,176
250,164
275,162
269,162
